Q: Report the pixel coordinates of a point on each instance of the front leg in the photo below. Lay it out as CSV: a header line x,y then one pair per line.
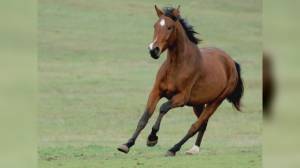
x,y
152,138
176,101
151,105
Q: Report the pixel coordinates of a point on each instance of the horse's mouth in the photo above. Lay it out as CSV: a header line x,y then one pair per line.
x,y
154,56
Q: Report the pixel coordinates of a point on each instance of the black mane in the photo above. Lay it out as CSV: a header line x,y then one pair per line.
x,y
189,29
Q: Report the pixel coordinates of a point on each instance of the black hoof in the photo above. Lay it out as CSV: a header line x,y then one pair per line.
x,y
123,148
152,140
170,154
151,143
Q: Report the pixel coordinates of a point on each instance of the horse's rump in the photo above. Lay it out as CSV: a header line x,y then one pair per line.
x,y
220,73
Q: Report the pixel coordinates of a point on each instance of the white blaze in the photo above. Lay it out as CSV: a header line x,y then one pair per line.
x,y
151,44
162,22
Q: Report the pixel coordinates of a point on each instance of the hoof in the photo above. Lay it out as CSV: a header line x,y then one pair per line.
x,y
193,151
123,148
152,141
170,154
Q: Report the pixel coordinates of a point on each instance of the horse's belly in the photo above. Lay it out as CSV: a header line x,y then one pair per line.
x,y
202,97
205,92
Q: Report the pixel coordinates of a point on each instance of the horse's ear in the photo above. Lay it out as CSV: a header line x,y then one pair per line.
x,y
176,12
158,11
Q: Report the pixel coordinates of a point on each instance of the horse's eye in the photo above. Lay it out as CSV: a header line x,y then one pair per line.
x,y
169,28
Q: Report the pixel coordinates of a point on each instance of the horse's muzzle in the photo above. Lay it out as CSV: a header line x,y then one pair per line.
x,y
155,52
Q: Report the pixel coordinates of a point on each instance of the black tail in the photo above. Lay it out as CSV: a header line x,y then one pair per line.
x,y
236,95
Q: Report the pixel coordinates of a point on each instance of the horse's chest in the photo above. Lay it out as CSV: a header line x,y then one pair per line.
x,y
168,87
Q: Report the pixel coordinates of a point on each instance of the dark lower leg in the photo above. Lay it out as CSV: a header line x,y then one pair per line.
x,y
163,110
177,146
192,131
141,125
200,134
155,128
203,118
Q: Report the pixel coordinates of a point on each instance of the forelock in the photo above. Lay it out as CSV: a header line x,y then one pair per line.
x,y
168,11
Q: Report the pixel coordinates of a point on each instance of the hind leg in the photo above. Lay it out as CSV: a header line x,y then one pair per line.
x,y
196,148
203,118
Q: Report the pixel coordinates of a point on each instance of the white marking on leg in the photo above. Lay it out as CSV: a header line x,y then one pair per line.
x,y
194,150
162,22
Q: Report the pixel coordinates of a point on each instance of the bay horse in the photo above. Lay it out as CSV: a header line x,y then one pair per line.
x,y
200,78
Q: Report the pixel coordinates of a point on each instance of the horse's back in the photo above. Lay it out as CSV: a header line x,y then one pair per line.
x,y
215,53
217,59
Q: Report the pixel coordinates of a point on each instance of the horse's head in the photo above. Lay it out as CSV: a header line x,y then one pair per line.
x,y
164,32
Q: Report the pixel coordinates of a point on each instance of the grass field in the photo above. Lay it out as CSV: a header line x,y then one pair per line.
x,y
95,74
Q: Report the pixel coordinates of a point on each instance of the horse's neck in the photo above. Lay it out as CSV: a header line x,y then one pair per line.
x,y
178,54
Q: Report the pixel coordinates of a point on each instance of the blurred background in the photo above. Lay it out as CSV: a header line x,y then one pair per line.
x,y
72,61
281,42
18,83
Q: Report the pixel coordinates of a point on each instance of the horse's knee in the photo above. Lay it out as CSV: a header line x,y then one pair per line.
x,y
164,108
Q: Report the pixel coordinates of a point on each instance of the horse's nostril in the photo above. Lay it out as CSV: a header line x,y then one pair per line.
x,y
154,52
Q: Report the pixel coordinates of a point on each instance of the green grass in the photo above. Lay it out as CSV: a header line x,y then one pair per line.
x,y
95,75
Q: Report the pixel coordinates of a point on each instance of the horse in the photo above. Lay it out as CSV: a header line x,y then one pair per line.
x,y
201,78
